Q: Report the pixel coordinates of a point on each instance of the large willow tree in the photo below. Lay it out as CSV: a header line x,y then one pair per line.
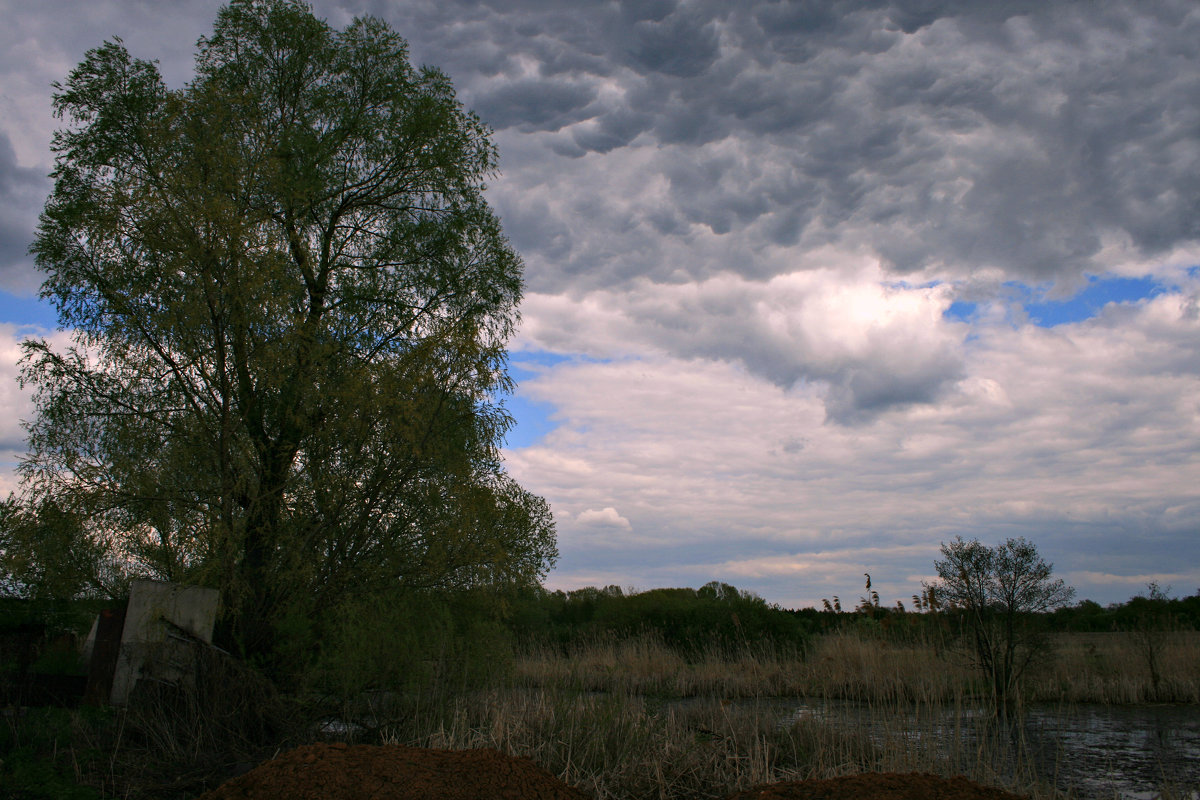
x,y
290,305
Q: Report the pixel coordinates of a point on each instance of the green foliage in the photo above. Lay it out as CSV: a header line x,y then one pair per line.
x,y
1182,613
46,554
692,621
412,642
290,304
37,760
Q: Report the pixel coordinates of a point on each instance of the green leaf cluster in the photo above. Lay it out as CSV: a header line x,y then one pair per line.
x,y
290,303
716,617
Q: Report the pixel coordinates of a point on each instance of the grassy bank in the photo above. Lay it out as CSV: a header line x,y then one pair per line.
x,y
632,717
619,746
621,717
1119,669
1107,668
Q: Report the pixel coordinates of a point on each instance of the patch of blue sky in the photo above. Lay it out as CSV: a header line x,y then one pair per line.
x,y
526,364
534,419
961,310
1089,301
1086,303
27,311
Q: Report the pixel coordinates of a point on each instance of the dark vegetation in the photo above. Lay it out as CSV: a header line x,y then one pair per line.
x,y
693,622
421,655
289,305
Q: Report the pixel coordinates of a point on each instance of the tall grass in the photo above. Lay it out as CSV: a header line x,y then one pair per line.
x,y
1113,668
634,718
1077,668
617,746
645,665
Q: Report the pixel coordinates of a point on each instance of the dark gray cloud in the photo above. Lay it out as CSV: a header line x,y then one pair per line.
x,y
701,190
947,137
23,190
681,45
531,104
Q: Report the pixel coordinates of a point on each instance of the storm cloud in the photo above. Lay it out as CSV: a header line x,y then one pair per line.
x,y
780,260
1037,141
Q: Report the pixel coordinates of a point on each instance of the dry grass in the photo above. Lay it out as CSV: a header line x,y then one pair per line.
x,y
634,719
1106,668
1113,668
851,666
608,716
644,665
625,746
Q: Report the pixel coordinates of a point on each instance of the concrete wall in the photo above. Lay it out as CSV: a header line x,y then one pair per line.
x,y
163,622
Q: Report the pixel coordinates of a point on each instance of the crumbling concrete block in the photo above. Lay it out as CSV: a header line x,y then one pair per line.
x,y
163,624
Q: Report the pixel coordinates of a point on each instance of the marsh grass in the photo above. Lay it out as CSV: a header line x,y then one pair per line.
x,y
645,665
618,745
838,665
1113,668
1107,668
634,718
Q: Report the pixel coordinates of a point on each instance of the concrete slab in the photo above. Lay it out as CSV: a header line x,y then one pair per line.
x,y
164,623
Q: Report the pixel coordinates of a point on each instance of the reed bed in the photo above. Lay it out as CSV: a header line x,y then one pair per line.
x,y
633,718
1108,668
644,665
1115,669
873,669
617,746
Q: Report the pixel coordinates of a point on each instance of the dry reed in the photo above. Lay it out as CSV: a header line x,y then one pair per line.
x,y
607,716
620,746
1113,668
1096,668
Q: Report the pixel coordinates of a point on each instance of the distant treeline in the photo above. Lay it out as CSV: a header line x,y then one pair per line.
x,y
1182,613
693,621
412,632
718,615
1154,610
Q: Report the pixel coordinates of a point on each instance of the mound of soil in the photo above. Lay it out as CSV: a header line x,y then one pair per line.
x,y
392,772
877,786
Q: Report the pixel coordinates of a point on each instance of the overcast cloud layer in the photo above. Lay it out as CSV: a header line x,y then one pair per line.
x,y
777,256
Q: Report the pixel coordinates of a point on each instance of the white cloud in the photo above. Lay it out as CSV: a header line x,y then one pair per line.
x,y
1081,438
877,344
17,404
606,517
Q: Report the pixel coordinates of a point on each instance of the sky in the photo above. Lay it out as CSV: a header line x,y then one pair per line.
x,y
811,287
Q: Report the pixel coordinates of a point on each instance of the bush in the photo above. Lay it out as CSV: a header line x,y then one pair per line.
x,y
693,622
411,642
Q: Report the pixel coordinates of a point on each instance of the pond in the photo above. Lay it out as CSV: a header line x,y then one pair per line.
x,y
1096,752
1117,751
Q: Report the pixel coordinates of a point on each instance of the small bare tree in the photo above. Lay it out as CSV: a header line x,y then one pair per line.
x,y
998,591
1152,629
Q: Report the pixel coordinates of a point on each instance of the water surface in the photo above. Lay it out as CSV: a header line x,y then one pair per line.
x,y
1095,752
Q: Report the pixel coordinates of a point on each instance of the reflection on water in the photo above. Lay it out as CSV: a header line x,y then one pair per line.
x,y
1127,752
1095,752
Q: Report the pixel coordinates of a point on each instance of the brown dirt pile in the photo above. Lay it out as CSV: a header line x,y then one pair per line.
x,y
393,772
877,786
